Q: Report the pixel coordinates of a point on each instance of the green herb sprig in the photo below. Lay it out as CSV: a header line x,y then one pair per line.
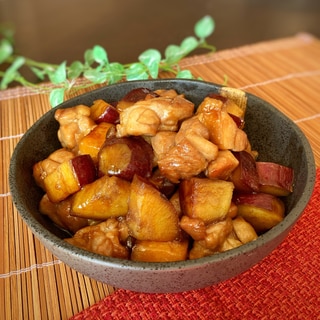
x,y
96,67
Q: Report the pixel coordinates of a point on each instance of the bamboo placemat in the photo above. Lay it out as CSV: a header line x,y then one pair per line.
x,y
36,285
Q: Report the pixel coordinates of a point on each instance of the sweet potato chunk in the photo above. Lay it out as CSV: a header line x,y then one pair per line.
x,y
263,211
125,157
102,111
236,102
156,251
44,167
69,177
205,199
92,142
275,179
104,198
245,177
151,216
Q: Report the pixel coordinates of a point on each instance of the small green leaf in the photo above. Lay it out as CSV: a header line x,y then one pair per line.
x,y
116,72
5,50
88,57
189,44
12,72
7,78
95,76
136,71
75,70
56,96
59,75
17,64
173,54
184,74
151,59
204,27
100,55
154,70
38,72
149,56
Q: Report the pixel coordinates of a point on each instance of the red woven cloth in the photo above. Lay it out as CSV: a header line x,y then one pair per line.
x,y
284,285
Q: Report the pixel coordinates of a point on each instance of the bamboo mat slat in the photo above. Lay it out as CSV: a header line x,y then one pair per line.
x,y
36,285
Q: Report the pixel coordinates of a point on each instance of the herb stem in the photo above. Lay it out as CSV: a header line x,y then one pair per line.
x,y
96,68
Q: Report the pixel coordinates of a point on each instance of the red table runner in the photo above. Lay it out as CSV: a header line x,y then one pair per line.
x,y
291,270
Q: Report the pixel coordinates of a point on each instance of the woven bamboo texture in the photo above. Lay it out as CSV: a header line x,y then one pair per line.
x,y
36,285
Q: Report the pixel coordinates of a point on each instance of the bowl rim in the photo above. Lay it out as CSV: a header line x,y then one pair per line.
x,y
275,232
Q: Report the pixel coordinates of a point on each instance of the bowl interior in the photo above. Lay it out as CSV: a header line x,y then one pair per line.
x,y
275,137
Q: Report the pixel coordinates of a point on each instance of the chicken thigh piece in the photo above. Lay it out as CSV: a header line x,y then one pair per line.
x,y
75,123
147,117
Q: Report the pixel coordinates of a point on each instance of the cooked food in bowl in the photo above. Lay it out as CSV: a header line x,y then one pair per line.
x,y
276,138
152,177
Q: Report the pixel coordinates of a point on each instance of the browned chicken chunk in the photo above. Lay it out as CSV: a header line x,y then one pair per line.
x,y
146,117
190,153
75,123
223,130
103,238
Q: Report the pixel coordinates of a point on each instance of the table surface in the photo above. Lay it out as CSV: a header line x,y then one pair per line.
x,y
36,285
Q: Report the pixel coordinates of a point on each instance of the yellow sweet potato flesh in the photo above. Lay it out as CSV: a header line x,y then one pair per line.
x,y
206,199
151,216
106,197
62,182
44,167
155,251
260,218
92,142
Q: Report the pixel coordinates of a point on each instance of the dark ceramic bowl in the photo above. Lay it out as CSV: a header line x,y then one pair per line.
x,y
276,138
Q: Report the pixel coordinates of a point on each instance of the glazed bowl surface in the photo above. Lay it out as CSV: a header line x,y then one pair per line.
x,y
270,132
